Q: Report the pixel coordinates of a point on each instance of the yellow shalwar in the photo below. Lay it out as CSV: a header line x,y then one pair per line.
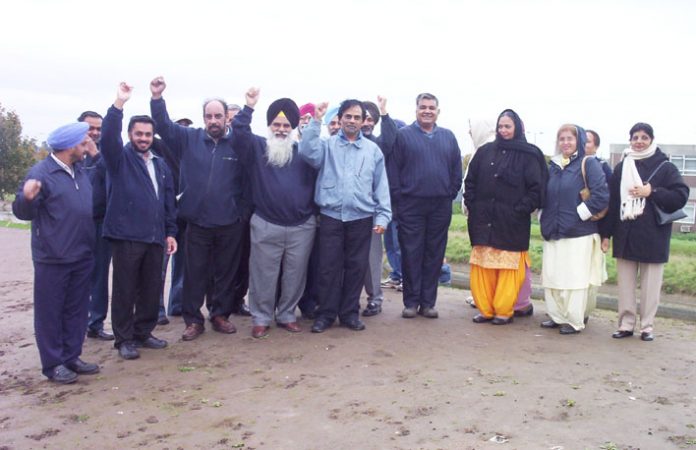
x,y
496,279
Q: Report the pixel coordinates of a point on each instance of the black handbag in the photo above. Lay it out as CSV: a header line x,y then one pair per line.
x,y
662,217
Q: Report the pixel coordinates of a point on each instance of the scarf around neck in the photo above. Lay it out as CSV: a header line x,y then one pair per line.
x,y
632,207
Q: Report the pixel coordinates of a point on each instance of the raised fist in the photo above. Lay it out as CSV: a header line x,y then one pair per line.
x,y
320,111
157,86
252,96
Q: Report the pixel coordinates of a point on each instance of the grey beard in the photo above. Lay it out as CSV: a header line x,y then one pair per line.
x,y
279,150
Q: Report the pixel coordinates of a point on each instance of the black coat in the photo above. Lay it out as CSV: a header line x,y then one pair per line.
x,y
502,188
642,239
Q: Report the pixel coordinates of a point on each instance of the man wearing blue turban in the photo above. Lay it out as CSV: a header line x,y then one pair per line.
x,y
57,197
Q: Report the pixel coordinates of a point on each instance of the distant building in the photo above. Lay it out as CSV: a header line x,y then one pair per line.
x,y
684,157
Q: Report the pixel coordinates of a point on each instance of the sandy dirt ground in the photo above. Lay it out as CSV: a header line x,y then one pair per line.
x,y
400,384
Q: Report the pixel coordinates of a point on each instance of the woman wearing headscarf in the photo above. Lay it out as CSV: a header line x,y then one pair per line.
x,y
505,183
642,181
573,262
482,131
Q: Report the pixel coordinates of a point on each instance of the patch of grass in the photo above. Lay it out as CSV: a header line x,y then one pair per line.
x,y
679,275
10,224
184,369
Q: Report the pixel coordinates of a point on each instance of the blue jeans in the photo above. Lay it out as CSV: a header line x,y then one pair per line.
x,y
391,246
177,276
99,284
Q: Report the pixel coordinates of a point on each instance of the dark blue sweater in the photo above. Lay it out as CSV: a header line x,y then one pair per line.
x,y
429,165
211,175
62,229
134,212
282,195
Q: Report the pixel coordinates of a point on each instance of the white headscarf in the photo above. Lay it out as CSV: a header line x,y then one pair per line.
x,y
482,131
632,207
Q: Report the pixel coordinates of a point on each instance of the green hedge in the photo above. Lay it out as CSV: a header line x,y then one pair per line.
x,y
680,271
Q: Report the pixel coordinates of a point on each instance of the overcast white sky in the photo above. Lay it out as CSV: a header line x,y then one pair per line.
x,y
601,64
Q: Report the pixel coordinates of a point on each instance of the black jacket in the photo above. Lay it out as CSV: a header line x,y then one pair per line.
x,y
503,188
642,239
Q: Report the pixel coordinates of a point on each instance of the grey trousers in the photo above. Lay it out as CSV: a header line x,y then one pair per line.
x,y
274,247
650,287
373,276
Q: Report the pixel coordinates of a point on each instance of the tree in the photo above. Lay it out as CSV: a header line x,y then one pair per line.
x,y
17,153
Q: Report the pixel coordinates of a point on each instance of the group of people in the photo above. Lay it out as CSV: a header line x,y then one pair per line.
x,y
304,213
299,219
582,204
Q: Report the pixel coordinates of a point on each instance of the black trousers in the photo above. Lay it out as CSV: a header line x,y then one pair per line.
x,y
344,248
241,278
212,256
137,279
423,225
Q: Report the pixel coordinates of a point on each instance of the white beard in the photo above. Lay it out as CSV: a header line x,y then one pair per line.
x,y
279,150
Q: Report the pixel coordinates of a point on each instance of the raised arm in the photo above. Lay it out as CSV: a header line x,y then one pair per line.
x,y
173,134
387,137
241,128
312,147
111,142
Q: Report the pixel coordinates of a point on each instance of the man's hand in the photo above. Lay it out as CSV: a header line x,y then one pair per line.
x,y
31,189
123,94
382,102
92,148
605,245
252,97
171,245
379,229
320,111
157,86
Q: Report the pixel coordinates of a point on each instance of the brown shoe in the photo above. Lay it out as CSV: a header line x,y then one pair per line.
x,y
292,327
222,325
259,331
192,331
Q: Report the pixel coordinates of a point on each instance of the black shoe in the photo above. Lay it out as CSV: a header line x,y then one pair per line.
x,y
501,320
83,368
585,320
622,334
100,334
355,325
163,321
127,350
320,326
646,336
242,310
62,375
372,309
568,329
549,324
480,318
525,312
309,315
151,342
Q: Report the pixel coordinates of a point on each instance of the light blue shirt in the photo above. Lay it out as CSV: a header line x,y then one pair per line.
x,y
352,182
